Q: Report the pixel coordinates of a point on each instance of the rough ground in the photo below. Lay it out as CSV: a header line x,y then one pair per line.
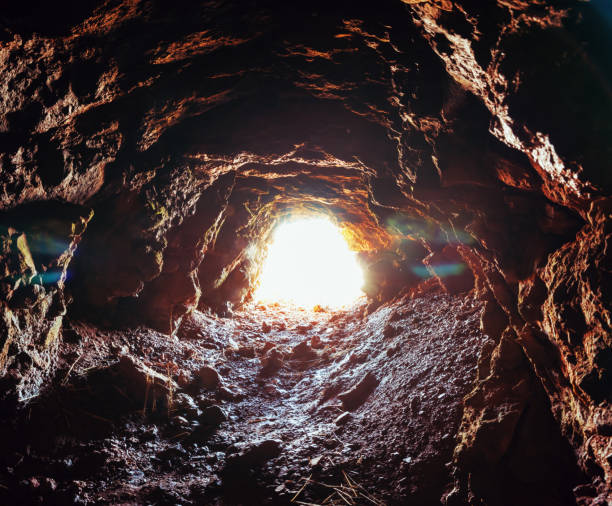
x,y
269,425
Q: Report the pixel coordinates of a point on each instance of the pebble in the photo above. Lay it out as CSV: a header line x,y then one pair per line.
x,y
271,362
185,404
246,351
315,461
209,377
180,421
356,396
213,415
225,394
264,450
257,453
303,352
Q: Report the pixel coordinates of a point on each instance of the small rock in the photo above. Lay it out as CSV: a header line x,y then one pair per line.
x,y
265,327
315,461
209,378
246,351
180,421
392,350
225,394
271,363
173,453
140,383
390,331
414,404
185,404
271,390
148,434
303,352
213,415
254,454
316,343
343,418
50,484
263,451
32,482
183,379
356,396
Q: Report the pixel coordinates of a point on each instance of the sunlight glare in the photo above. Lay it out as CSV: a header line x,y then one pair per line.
x,y
309,263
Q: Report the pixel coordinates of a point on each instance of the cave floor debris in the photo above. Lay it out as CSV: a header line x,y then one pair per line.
x,y
270,406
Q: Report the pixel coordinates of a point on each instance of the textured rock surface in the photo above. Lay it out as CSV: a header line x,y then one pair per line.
x,y
474,137
37,246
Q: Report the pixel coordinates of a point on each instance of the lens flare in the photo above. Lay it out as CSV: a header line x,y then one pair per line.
x,y
309,263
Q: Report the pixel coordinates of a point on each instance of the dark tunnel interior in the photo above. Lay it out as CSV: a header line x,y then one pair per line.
x,y
151,153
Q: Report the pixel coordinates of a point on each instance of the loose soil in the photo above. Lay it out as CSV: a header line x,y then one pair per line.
x,y
270,405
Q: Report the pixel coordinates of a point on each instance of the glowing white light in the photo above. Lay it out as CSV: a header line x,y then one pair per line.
x,y
310,263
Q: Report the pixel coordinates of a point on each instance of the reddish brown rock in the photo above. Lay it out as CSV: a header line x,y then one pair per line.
x,y
356,396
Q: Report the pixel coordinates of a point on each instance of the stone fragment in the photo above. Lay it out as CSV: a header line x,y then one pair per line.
x,y
227,394
271,363
257,453
343,418
246,351
315,460
390,331
213,415
316,343
303,352
208,377
302,329
184,403
180,421
356,396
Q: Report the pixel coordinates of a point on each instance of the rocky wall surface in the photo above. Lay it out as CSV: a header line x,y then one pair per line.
x,y
451,139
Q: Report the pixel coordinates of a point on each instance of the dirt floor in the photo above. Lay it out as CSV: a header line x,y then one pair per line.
x,y
271,405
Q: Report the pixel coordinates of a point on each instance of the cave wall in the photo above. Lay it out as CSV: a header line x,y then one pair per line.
x,y
166,139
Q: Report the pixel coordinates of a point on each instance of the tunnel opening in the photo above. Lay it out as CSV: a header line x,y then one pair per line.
x,y
308,264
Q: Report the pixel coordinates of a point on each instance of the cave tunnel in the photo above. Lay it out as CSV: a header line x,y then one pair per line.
x,y
151,153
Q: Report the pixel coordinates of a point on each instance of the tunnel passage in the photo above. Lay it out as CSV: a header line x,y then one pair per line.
x,y
146,152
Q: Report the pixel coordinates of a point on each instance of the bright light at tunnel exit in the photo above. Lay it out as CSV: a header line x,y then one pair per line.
x,y
309,263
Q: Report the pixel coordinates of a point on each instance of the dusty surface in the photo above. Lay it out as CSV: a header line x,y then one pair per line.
x,y
271,420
